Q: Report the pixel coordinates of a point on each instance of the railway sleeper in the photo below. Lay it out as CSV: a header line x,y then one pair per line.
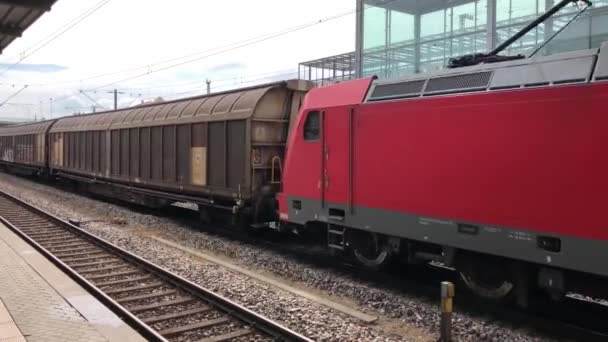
x,y
31,226
50,239
39,229
134,288
73,248
52,234
94,251
148,307
103,269
114,260
184,313
123,281
79,252
110,275
58,242
229,336
196,326
147,296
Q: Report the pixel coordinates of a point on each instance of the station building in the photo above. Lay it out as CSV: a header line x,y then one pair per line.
x,y
399,37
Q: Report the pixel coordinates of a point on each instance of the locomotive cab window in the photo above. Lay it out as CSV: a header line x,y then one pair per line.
x,y
312,126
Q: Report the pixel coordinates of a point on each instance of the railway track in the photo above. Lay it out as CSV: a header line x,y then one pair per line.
x,y
157,303
552,320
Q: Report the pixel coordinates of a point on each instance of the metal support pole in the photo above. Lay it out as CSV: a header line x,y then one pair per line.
x,y
359,39
447,306
115,99
491,29
548,27
208,87
417,54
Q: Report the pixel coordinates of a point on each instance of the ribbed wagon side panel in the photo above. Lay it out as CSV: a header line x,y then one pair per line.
x,y
95,152
57,148
5,147
236,153
115,153
183,147
201,146
25,144
82,151
169,158
124,152
89,151
217,154
156,153
75,153
134,154
144,162
104,154
73,156
68,149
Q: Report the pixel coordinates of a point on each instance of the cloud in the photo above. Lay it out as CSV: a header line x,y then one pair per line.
x,y
231,66
41,68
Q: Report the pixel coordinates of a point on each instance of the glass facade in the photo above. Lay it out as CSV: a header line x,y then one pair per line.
x,y
398,37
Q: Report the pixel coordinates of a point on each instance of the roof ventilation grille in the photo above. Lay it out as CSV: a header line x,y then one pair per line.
x,y
397,90
458,83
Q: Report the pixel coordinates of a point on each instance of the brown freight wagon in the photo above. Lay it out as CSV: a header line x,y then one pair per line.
x,y
218,150
24,147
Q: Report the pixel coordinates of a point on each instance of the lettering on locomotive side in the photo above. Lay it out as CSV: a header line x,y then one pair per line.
x,y
492,229
522,236
426,221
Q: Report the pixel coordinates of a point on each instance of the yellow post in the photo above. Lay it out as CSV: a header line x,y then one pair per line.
x,y
447,306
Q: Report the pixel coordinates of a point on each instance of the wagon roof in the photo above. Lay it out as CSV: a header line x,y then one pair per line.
x,y
236,104
25,129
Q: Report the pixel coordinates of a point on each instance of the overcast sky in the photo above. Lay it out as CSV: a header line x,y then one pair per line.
x,y
128,34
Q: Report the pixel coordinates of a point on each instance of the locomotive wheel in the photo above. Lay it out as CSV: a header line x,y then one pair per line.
x,y
488,278
369,250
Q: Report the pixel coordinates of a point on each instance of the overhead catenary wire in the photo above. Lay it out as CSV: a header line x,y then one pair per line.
x,y
92,99
52,34
237,46
199,84
230,47
52,37
13,95
149,67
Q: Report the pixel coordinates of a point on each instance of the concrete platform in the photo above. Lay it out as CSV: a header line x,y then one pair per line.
x,y
38,302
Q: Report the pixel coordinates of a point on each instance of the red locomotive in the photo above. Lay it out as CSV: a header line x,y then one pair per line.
x,y
502,161
494,167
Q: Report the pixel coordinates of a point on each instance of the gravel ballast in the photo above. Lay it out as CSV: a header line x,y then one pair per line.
x,y
402,317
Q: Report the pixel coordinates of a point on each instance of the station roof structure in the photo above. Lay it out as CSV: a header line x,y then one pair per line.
x,y
416,6
16,16
342,62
